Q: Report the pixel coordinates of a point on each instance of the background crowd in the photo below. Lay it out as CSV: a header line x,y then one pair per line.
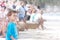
x,y
26,13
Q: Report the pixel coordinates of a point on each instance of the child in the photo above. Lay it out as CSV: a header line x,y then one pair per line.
x,y
12,33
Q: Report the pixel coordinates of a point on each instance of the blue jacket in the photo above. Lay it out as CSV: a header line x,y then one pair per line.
x,y
11,31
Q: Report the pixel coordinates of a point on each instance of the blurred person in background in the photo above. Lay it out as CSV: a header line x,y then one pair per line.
x,y
28,14
33,15
41,20
36,17
29,11
11,4
22,11
3,21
